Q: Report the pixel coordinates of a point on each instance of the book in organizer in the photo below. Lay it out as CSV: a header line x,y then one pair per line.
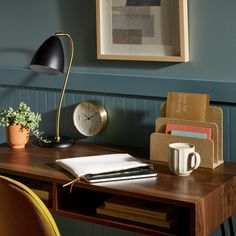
x,y
188,134
189,128
187,106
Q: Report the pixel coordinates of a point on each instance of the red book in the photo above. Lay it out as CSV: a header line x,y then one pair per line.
x,y
188,128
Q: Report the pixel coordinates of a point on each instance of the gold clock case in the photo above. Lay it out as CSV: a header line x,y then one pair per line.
x,y
102,114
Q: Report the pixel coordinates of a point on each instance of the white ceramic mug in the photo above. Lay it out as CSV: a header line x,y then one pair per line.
x,y
183,159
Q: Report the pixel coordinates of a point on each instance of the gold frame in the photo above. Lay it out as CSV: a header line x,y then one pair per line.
x,y
182,54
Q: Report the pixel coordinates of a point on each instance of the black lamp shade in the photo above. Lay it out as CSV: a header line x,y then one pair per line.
x,y
49,58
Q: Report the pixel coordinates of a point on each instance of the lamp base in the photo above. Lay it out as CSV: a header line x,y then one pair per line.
x,y
64,142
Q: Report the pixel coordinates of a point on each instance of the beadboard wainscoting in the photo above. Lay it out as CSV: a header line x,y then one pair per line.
x,y
131,119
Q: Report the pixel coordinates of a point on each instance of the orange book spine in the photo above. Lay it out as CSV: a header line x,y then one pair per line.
x,y
188,128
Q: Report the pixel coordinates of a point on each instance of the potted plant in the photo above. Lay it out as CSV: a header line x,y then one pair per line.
x,y
19,123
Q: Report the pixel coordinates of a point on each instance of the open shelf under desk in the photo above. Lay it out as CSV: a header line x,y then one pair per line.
x,y
81,203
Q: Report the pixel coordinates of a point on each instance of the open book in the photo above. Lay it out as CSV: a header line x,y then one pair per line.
x,y
107,167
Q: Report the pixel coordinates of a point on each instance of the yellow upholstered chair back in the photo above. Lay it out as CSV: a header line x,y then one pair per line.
x,y
22,213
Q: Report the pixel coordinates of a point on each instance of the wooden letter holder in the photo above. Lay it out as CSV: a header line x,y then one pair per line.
x,y
210,150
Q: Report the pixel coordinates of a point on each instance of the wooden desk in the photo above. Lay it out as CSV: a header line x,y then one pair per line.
x,y
206,198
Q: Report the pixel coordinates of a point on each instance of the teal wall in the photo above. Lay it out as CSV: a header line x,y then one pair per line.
x,y
132,92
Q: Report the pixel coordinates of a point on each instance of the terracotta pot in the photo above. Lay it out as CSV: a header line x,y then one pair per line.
x,y
17,136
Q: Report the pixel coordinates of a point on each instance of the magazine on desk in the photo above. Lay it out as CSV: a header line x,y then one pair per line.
x,y
107,167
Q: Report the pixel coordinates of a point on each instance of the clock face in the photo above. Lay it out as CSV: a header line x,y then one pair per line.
x,y
90,118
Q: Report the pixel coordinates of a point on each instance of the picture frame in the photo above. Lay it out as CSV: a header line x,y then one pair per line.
x,y
142,30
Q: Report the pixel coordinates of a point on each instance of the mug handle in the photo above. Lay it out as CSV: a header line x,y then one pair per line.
x,y
197,160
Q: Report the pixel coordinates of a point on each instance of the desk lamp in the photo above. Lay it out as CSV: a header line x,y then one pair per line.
x,y
49,59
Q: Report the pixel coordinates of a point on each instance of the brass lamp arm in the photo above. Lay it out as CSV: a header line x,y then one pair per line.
x,y
58,115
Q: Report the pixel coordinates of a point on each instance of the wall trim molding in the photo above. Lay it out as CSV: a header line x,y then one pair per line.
x,y
119,84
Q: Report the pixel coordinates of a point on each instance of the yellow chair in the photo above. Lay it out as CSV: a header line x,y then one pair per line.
x,y
22,213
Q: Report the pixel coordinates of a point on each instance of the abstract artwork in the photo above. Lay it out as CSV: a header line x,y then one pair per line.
x,y
139,29
136,22
143,3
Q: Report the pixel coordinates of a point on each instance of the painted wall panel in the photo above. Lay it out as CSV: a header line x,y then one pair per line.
x,y
131,119
120,84
211,36
132,92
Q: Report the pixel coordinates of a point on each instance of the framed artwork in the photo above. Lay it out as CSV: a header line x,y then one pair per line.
x,y
142,30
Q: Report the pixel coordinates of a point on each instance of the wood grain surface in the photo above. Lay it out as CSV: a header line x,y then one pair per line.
x,y
208,196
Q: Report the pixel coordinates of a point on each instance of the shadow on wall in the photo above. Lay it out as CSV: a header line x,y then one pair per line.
x,y
127,128
7,94
134,132
25,51
12,54
67,128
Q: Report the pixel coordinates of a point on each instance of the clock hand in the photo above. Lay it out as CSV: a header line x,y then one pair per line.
x,y
92,115
87,117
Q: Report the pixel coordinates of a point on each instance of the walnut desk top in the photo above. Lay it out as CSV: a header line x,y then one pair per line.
x,y
207,197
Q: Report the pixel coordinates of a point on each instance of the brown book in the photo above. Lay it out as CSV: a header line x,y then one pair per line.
x,y
140,206
102,210
187,106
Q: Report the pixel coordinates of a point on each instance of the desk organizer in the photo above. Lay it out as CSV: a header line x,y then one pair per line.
x,y
210,150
